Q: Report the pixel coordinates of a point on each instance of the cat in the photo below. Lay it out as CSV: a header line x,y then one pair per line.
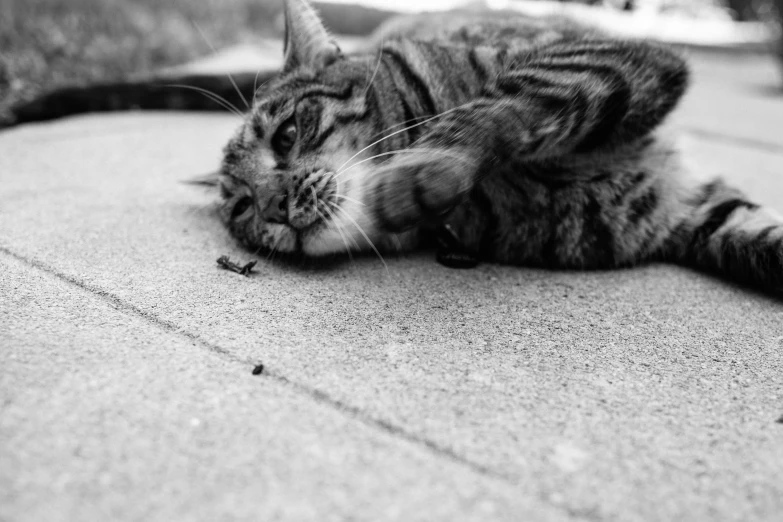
x,y
534,142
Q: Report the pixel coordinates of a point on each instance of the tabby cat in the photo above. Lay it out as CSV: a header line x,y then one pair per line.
x,y
509,139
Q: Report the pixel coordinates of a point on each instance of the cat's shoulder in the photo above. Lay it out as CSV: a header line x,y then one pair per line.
x,y
481,28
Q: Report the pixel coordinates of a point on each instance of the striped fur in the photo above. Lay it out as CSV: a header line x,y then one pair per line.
x,y
538,142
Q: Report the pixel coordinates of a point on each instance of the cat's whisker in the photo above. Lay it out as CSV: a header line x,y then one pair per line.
x,y
358,248
407,151
273,250
212,96
365,215
398,243
337,224
350,199
338,227
426,118
231,78
443,152
377,68
366,237
444,113
255,88
342,226
406,122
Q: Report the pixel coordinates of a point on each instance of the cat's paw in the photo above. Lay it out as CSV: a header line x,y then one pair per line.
x,y
421,184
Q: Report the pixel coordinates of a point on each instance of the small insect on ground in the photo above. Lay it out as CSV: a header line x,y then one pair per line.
x,y
245,270
258,370
780,420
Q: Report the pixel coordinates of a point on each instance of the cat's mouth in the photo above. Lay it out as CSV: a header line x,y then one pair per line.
x,y
309,234
309,231
346,227
325,235
316,217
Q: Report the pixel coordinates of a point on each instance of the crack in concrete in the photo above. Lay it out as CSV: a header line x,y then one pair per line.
x,y
313,393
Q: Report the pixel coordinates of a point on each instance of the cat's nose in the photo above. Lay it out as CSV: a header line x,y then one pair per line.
x,y
277,210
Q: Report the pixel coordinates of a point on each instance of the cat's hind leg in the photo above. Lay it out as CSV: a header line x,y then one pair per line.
x,y
726,234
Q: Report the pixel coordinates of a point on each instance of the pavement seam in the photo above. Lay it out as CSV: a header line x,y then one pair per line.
x,y
313,393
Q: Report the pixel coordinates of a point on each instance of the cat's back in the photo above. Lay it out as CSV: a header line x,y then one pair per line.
x,y
481,28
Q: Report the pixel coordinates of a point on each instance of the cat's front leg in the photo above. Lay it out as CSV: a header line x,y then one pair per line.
x,y
423,184
555,101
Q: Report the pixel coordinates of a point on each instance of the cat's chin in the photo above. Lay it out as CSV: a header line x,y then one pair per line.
x,y
328,241
348,229
343,234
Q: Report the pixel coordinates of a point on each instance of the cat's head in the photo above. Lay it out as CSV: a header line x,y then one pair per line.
x,y
291,179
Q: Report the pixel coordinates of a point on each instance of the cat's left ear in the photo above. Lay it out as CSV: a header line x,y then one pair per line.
x,y
307,42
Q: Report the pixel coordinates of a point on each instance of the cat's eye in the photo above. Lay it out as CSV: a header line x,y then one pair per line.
x,y
241,207
285,137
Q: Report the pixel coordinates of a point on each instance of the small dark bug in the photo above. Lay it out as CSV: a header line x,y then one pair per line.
x,y
258,370
452,252
226,263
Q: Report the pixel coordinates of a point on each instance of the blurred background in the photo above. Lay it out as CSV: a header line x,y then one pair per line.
x,y
45,44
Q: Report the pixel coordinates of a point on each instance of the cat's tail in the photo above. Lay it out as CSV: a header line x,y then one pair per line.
x,y
728,235
184,93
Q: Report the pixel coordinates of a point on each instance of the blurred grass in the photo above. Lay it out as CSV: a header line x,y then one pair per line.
x,y
45,44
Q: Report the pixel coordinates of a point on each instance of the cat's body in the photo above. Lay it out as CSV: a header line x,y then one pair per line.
x,y
587,207
537,142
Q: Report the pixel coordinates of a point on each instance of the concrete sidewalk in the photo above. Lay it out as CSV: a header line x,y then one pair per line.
x,y
417,393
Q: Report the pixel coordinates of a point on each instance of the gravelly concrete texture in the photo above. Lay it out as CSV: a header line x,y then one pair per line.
x,y
107,416
417,393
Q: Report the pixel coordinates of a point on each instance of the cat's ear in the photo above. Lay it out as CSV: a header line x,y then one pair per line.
x,y
307,43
